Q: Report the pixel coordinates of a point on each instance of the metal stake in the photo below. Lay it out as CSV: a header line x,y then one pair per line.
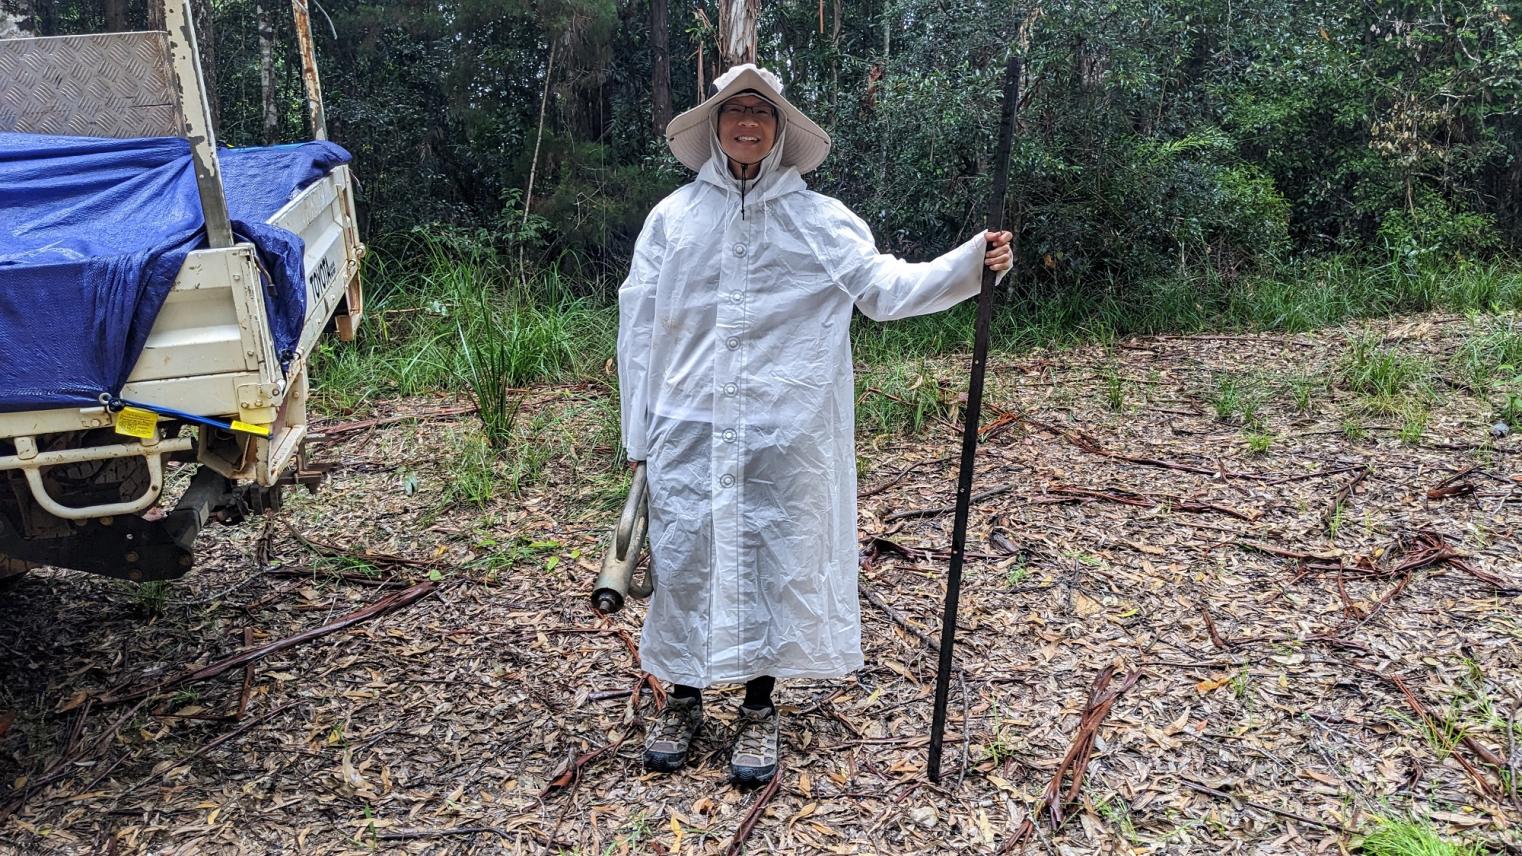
x,y
974,412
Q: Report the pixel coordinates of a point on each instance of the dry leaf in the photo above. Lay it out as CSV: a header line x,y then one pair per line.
x,y
1212,684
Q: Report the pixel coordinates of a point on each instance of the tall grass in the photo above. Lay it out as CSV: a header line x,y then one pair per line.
x,y
1494,353
1394,837
449,312
490,366
1370,368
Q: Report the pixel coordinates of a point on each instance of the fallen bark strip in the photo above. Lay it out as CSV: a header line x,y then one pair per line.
x,y
72,753
248,677
409,834
569,773
1422,549
1480,750
1454,485
396,600
328,433
946,509
1286,554
210,745
899,476
1086,443
645,678
357,579
1349,608
1513,757
737,843
334,551
1215,638
1333,508
1206,789
1056,799
1068,493
1471,447
876,546
1426,548
898,618
1316,475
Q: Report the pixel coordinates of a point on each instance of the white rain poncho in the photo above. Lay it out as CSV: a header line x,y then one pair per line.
x,y
736,382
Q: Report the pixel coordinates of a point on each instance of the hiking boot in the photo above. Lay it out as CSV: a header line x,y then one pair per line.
x,y
754,761
671,734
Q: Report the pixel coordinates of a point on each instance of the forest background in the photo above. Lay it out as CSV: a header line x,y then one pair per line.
x,y
1179,166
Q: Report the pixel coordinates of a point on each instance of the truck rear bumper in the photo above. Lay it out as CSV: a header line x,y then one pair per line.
x,y
31,462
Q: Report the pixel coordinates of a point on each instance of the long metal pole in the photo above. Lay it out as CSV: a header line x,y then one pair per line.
x,y
974,413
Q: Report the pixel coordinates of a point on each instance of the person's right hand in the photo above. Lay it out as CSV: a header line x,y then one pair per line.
x,y
633,464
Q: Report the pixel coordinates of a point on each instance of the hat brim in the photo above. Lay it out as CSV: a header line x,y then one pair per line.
x,y
807,143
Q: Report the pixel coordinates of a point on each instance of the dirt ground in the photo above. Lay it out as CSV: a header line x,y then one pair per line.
x,y
1316,616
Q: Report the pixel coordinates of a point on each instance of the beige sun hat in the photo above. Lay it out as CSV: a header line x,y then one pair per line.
x,y
687,135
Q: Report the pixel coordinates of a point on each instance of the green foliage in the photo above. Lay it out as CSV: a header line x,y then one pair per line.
x,y
1258,442
1237,397
449,311
1433,234
1114,388
1381,373
1413,424
1491,361
1403,837
898,398
1200,142
473,472
490,366
1494,353
1303,389
151,597
1509,409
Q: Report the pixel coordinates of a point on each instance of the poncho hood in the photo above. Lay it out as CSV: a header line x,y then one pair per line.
x,y
773,178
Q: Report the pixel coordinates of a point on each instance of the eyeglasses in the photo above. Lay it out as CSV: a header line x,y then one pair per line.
x,y
763,111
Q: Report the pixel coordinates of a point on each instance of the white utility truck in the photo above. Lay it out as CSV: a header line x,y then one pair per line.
x,y
82,487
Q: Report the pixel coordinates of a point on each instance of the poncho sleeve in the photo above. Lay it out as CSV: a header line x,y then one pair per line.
x,y
885,287
636,321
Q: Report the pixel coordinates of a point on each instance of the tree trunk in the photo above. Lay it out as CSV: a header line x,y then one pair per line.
x,y
206,43
116,15
835,24
737,31
660,66
266,23
18,19
533,166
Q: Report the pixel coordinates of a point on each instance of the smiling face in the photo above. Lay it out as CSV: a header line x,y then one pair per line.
x,y
747,128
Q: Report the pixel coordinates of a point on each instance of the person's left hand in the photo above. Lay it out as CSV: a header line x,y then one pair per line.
x,y
1002,256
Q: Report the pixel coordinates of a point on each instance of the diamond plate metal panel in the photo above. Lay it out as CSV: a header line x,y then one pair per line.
x,y
104,85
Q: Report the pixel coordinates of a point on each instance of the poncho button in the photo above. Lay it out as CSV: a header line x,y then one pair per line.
x,y
727,480
730,389
739,249
736,296
732,343
729,435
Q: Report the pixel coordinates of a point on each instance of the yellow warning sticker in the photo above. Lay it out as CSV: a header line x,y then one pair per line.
x,y
136,422
261,430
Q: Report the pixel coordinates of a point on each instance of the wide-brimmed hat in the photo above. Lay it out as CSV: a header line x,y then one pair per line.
x,y
687,134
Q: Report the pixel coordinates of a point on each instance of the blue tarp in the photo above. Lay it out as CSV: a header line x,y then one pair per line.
x,y
92,235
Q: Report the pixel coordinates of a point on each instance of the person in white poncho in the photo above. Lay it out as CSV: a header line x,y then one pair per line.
x,y
736,388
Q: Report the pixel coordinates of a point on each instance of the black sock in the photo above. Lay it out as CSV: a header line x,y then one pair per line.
x,y
758,692
684,691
